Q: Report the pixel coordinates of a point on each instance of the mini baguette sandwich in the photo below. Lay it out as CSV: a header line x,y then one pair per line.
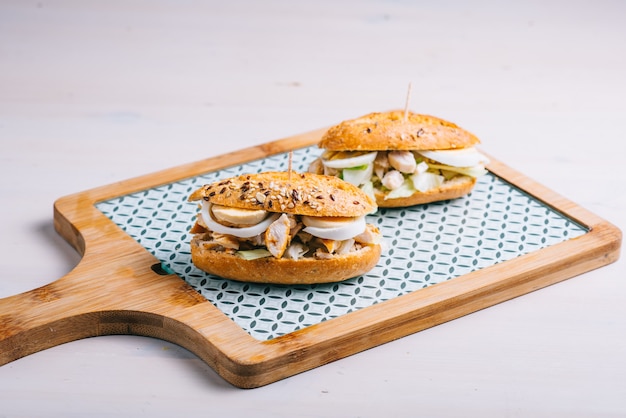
x,y
285,228
402,161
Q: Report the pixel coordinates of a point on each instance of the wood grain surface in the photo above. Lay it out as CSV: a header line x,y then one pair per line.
x,y
114,289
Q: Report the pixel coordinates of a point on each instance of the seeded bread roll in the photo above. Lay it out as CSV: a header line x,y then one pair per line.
x,y
298,193
311,229
388,147
389,131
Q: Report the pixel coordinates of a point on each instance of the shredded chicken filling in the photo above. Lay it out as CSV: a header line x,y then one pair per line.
x,y
390,168
284,238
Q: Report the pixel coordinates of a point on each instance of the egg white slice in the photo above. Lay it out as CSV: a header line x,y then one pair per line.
x,y
462,157
246,232
341,230
327,221
358,176
351,162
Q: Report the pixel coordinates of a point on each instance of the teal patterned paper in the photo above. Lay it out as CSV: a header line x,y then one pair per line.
x,y
423,245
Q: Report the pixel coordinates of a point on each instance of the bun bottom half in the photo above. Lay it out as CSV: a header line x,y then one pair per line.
x,y
282,270
456,187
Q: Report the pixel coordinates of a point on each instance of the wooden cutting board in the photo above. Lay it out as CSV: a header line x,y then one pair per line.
x,y
119,287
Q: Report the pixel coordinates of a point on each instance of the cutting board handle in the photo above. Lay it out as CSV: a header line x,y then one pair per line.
x,y
116,288
44,317
99,298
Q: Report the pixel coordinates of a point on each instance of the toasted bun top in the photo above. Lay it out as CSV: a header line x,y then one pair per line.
x,y
389,131
299,193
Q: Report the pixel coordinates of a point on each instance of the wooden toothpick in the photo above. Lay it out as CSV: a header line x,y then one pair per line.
x,y
406,104
290,162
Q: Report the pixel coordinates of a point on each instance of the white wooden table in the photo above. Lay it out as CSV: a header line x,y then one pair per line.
x,y
97,92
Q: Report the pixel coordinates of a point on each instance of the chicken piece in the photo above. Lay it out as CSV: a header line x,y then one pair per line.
x,y
220,242
257,240
320,254
381,164
403,161
305,237
371,235
316,167
294,225
330,244
277,236
329,171
197,228
345,246
295,251
392,180
226,241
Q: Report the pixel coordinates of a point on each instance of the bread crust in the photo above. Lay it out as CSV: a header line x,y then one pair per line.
x,y
384,131
282,270
456,187
297,193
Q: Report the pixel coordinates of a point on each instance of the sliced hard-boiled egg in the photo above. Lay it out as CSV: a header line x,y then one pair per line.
x,y
335,229
462,157
238,216
327,221
244,232
350,162
474,171
358,175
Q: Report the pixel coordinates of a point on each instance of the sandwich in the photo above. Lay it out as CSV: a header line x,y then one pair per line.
x,y
402,158
284,228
